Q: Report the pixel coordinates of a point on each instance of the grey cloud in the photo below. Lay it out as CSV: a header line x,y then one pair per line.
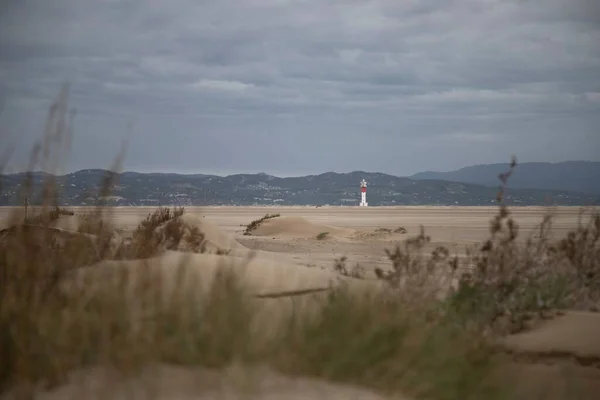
x,y
391,79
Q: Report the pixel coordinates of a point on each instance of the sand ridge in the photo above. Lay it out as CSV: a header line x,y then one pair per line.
x,y
259,275
213,234
573,334
298,227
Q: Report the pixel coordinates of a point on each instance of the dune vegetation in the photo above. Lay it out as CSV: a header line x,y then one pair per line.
x,y
253,225
428,327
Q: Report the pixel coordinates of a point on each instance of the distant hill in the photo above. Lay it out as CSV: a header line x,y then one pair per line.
x,y
576,176
136,189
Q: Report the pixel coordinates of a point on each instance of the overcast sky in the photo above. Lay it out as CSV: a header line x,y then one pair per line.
x,y
306,86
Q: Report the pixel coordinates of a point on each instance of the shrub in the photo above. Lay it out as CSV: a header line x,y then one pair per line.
x,y
340,267
160,231
503,278
322,235
400,229
257,222
48,216
384,230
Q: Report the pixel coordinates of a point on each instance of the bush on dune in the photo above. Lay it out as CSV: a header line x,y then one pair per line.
x,y
48,216
257,222
503,278
162,230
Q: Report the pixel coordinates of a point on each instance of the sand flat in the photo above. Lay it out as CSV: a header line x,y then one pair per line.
x,y
458,218
453,227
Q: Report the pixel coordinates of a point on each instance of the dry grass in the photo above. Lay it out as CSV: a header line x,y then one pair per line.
x,y
502,279
162,230
341,268
256,223
47,216
400,229
322,235
54,319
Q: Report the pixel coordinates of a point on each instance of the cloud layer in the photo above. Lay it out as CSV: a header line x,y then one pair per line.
x,y
306,86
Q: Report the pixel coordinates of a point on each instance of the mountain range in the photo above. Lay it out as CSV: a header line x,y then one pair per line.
x,y
136,189
576,176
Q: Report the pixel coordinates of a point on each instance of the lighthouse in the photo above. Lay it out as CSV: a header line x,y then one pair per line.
x,y
363,194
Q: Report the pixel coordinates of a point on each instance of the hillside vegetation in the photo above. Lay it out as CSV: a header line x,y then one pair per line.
x,y
573,176
136,189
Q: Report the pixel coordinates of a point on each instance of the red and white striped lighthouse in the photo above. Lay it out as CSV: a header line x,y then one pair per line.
x,y
363,194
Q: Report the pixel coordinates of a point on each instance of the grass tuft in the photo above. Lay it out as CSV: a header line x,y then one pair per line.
x,y
400,229
257,222
322,235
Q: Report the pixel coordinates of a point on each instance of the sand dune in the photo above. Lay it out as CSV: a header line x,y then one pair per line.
x,y
298,227
574,334
214,235
280,288
557,359
270,264
68,222
259,275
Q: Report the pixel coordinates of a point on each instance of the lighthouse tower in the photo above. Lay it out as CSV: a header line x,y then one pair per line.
x,y
363,194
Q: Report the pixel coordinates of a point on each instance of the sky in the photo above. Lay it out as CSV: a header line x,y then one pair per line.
x,y
303,87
